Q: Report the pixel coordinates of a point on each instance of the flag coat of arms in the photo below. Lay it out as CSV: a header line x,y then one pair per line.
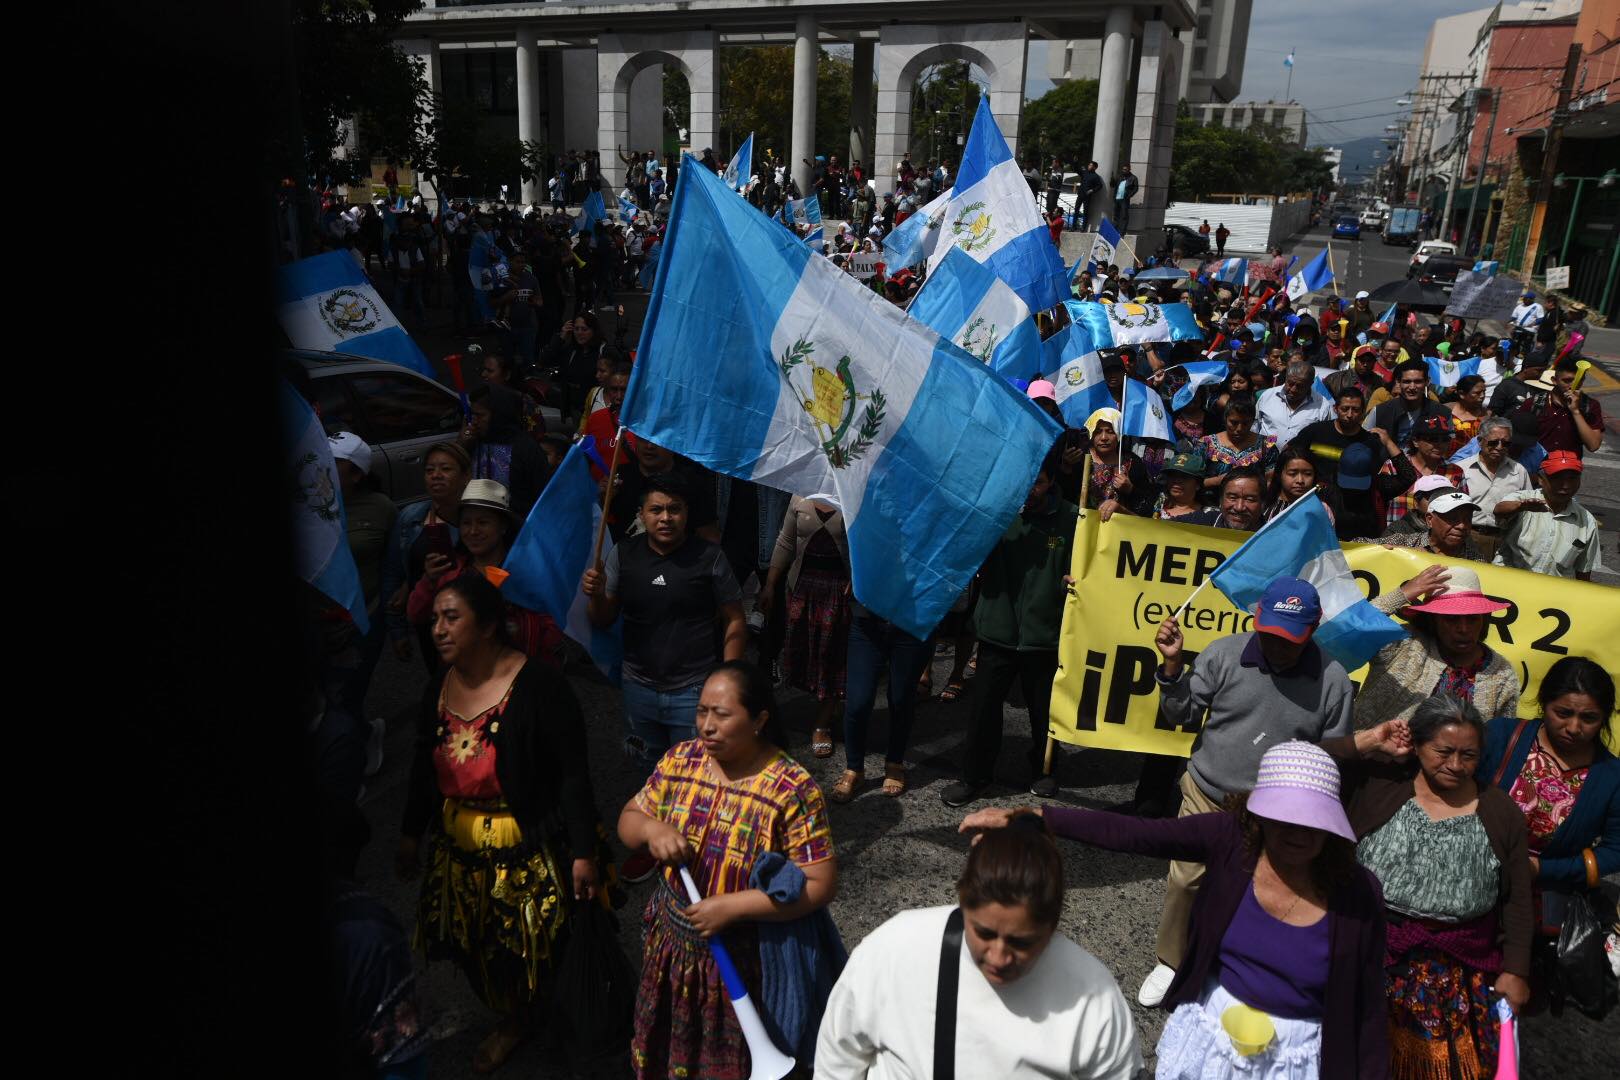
x,y
993,217
1112,325
326,302
1444,372
1318,274
765,363
966,303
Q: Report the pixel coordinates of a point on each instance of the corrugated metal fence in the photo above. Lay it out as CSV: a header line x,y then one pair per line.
x,y
1254,228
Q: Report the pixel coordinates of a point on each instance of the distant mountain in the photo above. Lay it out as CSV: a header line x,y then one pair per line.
x,y
1358,157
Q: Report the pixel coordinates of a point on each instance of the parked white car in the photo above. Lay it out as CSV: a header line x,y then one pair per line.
x,y
1431,247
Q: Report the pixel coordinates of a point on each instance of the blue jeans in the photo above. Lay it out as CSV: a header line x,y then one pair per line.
x,y
656,720
874,643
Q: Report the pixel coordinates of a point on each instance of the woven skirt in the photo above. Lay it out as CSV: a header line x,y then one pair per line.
x,y
817,647
1441,1022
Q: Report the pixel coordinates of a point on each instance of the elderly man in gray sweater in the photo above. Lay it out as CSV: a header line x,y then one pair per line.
x,y
1244,694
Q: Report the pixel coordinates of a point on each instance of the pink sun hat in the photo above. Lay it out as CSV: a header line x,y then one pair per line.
x,y
1298,784
1464,595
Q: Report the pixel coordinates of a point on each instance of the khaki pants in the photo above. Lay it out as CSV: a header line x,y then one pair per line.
x,y
1181,887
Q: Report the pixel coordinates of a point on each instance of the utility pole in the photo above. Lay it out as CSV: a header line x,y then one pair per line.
x,y
1484,163
1549,161
1459,163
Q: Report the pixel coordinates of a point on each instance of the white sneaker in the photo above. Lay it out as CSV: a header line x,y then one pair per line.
x,y
374,746
1156,985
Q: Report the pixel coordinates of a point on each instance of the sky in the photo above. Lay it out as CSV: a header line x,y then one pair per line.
x,y
1351,60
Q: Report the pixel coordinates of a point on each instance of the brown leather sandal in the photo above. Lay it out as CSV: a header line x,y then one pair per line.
x,y
821,743
894,778
844,790
499,1045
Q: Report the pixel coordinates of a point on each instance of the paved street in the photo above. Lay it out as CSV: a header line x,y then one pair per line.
x,y
902,853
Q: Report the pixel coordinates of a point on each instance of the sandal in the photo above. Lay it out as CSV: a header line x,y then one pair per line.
x,y
971,668
844,790
821,743
894,778
498,1046
953,690
925,685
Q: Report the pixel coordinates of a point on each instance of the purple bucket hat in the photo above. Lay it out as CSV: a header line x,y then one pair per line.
x,y
1298,784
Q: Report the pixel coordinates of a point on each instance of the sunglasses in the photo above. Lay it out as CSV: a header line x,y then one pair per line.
x,y
1495,442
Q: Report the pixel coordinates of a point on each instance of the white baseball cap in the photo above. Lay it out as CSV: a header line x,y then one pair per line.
x,y
1451,500
1363,295
347,446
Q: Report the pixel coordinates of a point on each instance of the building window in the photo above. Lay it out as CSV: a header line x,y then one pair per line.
x,y
487,78
1200,55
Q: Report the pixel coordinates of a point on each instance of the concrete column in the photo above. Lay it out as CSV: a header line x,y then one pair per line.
x,y
620,58
1111,90
528,95
803,142
860,106
1153,125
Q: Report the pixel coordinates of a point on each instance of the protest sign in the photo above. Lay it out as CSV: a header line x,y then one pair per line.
x,y
863,264
1557,277
1478,295
1130,573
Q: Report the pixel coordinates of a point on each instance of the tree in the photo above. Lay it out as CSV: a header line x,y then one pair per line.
x,y
1218,160
943,104
1062,123
460,155
677,102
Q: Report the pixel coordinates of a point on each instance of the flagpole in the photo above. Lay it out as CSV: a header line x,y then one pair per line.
x,y
1085,484
1333,275
607,497
1288,94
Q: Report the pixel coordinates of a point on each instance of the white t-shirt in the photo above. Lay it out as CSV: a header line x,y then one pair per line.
x,y
1529,315
1066,1018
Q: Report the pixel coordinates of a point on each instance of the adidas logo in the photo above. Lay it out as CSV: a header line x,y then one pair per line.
x,y
659,580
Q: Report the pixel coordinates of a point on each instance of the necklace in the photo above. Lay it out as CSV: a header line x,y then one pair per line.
x,y
1298,894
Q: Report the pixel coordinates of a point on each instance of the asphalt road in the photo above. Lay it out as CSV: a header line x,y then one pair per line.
x,y
897,853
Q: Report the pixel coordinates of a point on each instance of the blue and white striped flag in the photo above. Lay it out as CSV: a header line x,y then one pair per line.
x,y
1199,373
485,266
1232,271
1488,268
741,166
806,212
1105,244
993,217
628,211
326,302
1144,415
1300,542
967,304
1443,372
1112,325
765,363
320,525
591,211
552,552
1318,274
914,240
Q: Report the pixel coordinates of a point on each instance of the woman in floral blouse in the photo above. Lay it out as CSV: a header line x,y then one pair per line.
x,y
1238,446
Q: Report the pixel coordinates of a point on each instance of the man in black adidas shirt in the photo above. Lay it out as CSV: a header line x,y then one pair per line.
x,y
672,587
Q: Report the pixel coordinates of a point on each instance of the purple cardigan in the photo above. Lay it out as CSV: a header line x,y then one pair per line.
x,y
1355,1026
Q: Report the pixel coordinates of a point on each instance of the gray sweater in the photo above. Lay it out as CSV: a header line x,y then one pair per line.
x,y
1250,710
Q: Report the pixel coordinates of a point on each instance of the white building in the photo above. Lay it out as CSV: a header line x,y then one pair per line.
x,y
1287,116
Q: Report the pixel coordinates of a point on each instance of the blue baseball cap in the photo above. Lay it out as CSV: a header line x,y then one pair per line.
x,y
1290,609
1356,468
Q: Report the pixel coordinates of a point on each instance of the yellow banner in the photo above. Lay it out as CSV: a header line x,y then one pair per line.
x,y
1132,572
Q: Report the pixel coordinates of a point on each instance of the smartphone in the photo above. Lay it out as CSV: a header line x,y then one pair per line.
x,y
438,538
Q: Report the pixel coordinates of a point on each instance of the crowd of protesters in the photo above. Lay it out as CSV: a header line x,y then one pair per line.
x,y
1366,870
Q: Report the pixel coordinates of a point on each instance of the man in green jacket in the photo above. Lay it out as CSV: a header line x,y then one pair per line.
x,y
1017,618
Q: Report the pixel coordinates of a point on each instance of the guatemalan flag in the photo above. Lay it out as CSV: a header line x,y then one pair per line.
x,y
742,165
1318,274
1231,271
1105,243
915,238
485,263
967,304
806,212
1300,542
326,302
1487,267
763,362
552,552
1144,415
1444,372
1112,325
993,217
1200,373
1075,361
320,529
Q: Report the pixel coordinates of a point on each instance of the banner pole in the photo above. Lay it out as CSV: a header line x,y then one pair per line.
x,y
1085,485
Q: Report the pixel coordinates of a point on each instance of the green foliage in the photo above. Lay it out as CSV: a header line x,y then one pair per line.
x,y
1062,123
461,155
1255,161
677,106
942,106
756,94
835,78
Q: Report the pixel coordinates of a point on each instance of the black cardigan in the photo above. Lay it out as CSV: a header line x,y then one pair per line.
x,y
540,762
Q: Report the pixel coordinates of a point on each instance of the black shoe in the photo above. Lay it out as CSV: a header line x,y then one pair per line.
x,y
1044,787
961,793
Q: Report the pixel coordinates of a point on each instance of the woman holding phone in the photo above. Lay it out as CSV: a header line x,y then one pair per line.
x,y
422,529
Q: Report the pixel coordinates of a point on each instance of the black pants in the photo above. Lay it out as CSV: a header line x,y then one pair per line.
x,y
998,667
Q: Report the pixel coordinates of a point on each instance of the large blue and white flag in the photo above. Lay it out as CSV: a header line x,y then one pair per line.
x,y
1144,415
741,166
914,239
1105,244
552,552
760,361
993,217
967,304
1444,372
1074,367
1300,542
1231,271
486,266
628,211
326,302
805,213
1112,325
1318,274
1199,373
320,525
